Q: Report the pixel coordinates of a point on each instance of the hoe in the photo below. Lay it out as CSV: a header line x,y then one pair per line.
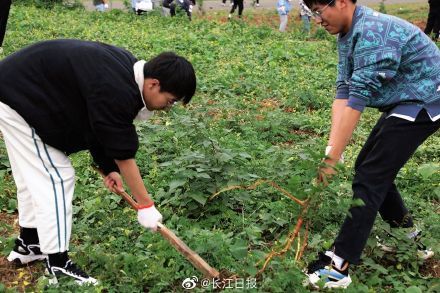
x,y
198,262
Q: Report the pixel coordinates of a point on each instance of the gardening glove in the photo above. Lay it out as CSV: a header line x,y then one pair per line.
x,y
327,151
106,5
149,217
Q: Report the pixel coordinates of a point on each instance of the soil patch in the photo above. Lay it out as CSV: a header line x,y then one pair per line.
x,y
431,267
11,275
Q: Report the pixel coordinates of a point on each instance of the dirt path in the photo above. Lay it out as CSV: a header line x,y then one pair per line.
x,y
264,4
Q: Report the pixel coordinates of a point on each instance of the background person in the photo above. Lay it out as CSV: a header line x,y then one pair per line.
x,y
283,9
305,14
240,5
433,22
5,5
185,5
100,5
224,2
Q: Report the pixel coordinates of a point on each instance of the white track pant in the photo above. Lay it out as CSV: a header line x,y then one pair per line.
x,y
45,182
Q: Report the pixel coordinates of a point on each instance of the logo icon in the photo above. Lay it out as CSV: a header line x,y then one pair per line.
x,y
190,283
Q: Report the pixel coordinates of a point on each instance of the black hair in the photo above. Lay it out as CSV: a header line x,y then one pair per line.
x,y
175,74
310,3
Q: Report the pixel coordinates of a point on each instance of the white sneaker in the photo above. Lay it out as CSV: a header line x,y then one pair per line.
x,y
323,271
24,254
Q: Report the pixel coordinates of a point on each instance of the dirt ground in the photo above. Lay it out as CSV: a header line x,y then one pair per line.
x,y
264,4
12,276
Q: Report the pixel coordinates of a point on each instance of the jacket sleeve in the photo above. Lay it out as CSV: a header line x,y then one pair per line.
x,y
374,63
344,71
106,164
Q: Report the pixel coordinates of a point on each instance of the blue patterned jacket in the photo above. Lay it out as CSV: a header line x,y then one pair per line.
x,y
387,63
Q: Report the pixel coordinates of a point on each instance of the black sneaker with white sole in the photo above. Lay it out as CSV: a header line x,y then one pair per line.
x,y
66,269
25,253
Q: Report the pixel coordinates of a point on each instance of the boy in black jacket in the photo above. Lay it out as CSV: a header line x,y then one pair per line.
x,y
62,96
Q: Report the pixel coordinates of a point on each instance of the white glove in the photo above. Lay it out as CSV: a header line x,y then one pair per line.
x,y
327,151
149,217
105,5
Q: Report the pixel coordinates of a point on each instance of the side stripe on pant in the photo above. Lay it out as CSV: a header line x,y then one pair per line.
x,y
62,188
53,185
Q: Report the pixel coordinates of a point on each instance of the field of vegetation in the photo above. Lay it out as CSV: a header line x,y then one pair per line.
x,y
261,112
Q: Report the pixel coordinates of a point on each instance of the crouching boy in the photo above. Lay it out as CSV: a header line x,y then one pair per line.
x,y
62,96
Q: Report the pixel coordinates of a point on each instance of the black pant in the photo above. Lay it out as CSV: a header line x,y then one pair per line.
x,y
433,22
238,3
183,5
4,13
389,146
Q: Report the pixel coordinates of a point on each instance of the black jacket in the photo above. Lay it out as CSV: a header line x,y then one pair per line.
x,y
77,95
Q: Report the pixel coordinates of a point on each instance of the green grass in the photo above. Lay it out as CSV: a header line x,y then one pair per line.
x,y
261,111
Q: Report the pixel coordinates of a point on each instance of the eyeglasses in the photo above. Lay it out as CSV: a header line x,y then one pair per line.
x,y
318,13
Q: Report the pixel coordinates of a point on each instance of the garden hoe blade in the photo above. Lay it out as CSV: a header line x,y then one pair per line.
x,y
198,262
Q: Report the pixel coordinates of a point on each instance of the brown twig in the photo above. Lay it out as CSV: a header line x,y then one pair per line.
x,y
292,235
305,241
287,245
256,184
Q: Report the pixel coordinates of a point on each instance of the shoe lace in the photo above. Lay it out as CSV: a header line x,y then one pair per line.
x,y
322,261
72,267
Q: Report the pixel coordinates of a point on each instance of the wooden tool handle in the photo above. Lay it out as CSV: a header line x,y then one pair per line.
x,y
129,200
187,252
175,241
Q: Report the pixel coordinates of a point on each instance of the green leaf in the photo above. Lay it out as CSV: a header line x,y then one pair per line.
x,y
251,270
224,157
239,249
176,183
437,192
203,175
12,204
199,197
427,170
357,202
245,155
413,289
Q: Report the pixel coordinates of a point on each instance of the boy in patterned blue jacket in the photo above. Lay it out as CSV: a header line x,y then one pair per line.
x,y
389,64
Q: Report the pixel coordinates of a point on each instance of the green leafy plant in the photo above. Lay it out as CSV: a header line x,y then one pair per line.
x,y
261,111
